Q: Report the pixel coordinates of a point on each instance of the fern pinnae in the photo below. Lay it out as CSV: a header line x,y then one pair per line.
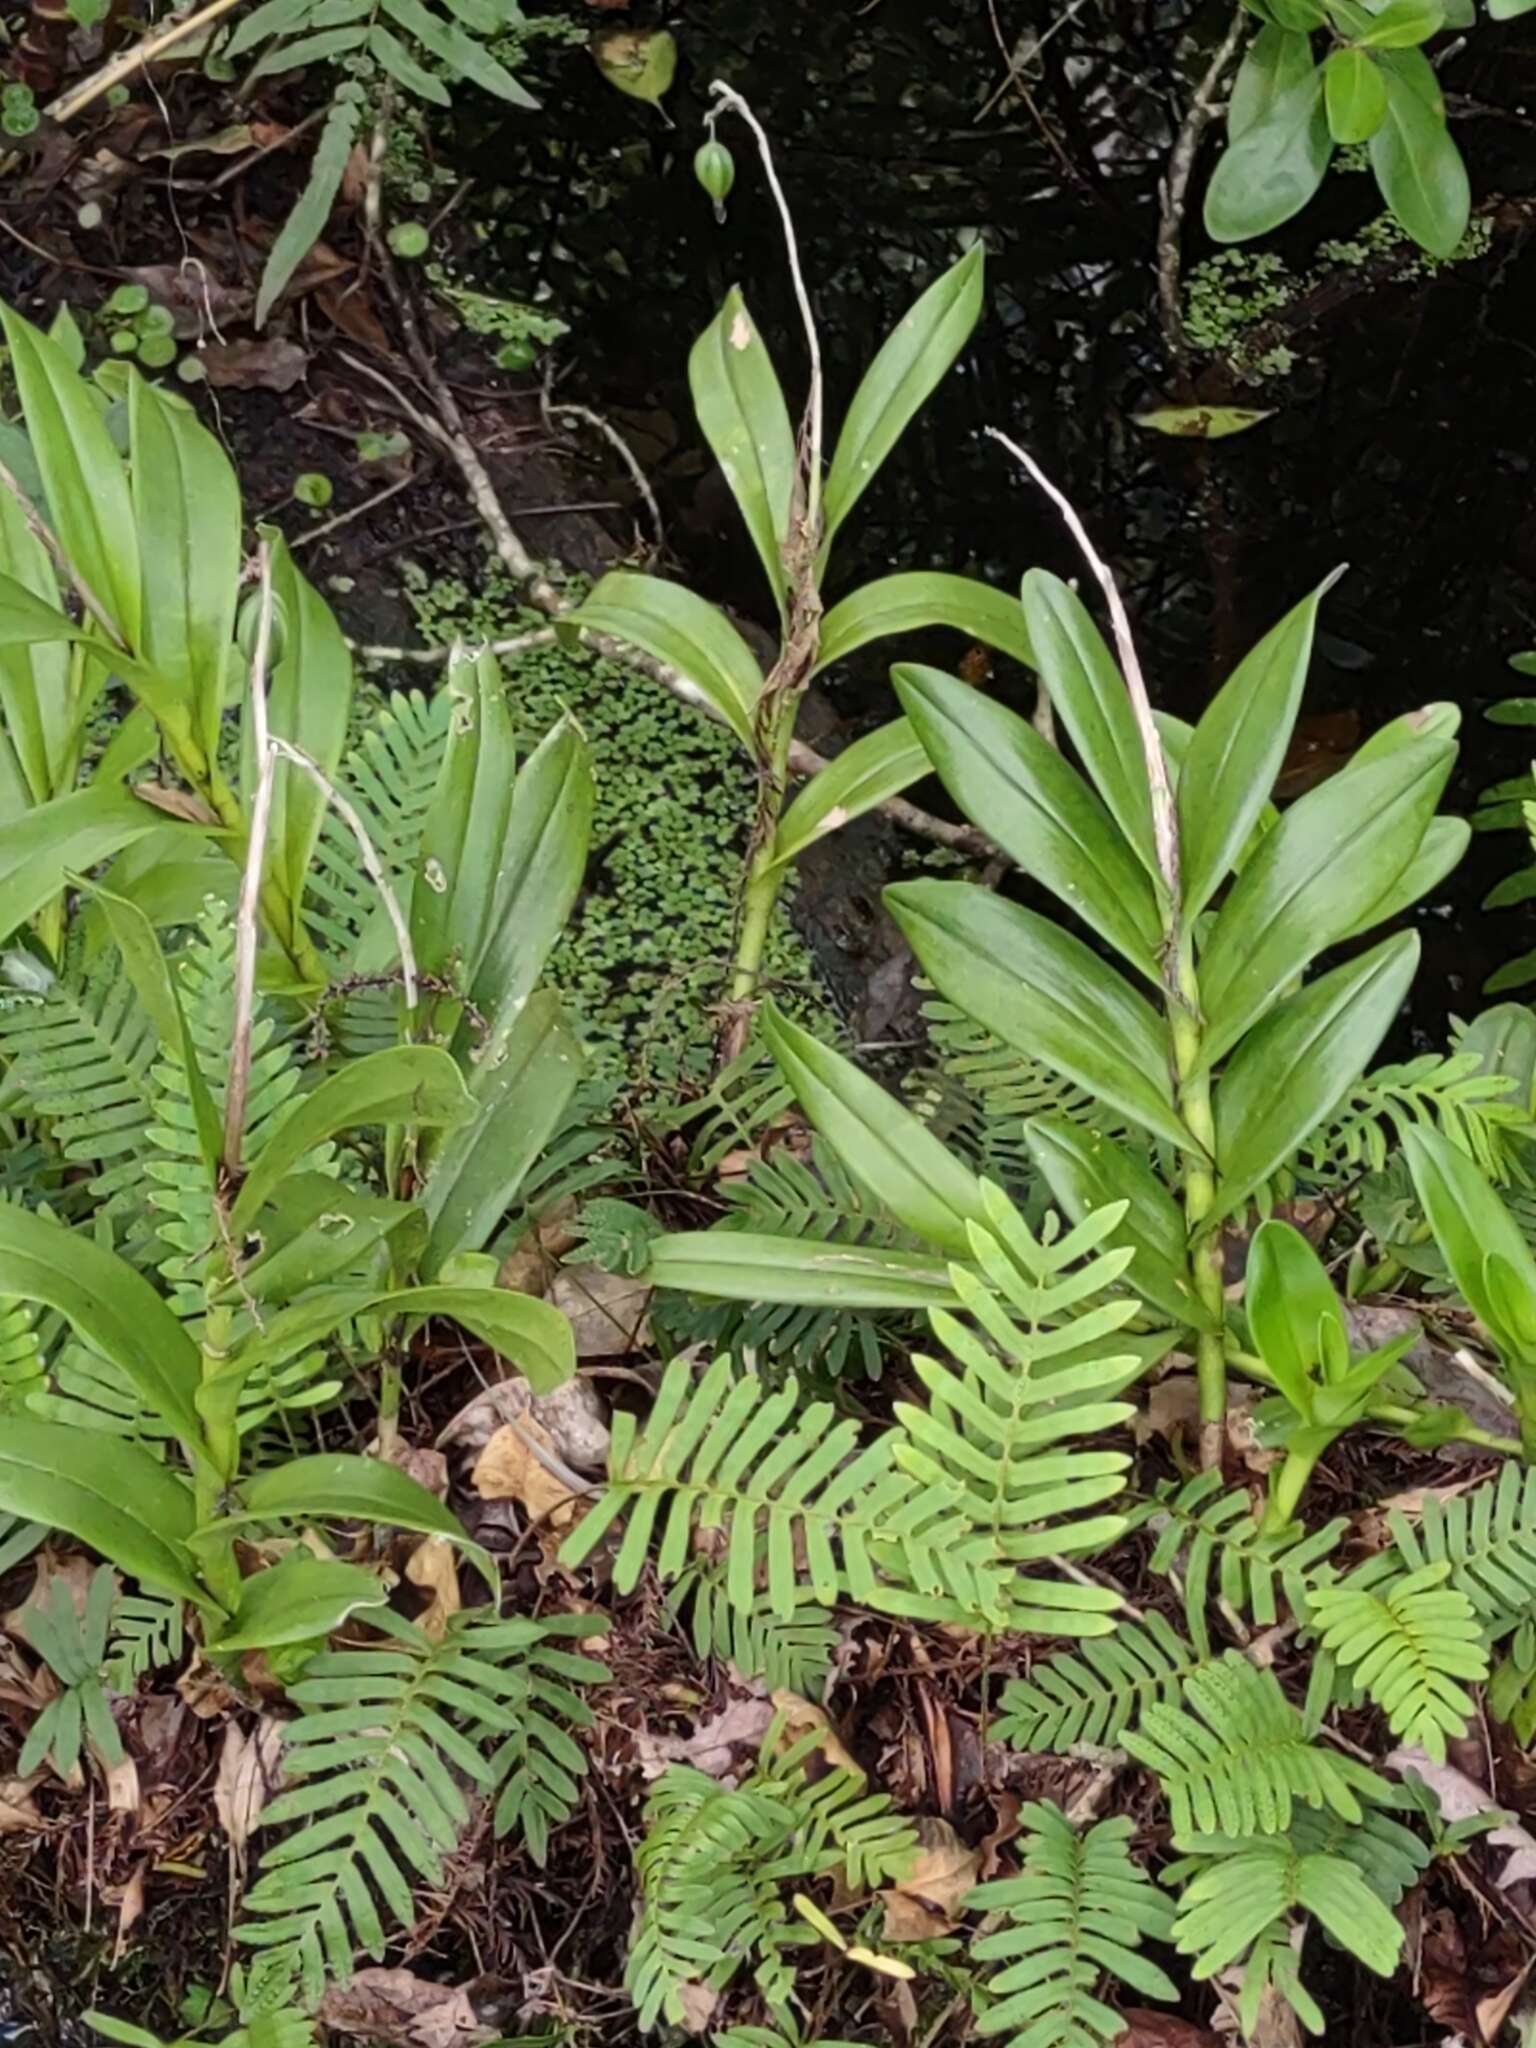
x,y
1488,1538
1092,1695
1407,1645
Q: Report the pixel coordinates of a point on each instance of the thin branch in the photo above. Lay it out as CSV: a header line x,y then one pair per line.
x,y
144,52
727,96
248,914
341,519
1175,192
435,656
1165,829
354,824
620,446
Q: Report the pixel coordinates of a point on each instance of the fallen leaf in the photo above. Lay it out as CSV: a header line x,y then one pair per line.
x,y
1201,422
1170,1410
718,1746
606,1311
354,176
433,1565
68,1569
198,303
123,1795
176,803
572,1417
698,2003
206,1690
927,1900
510,1468
249,1764
18,1809
639,61
1493,2011
1460,1797
427,1468
402,2010
271,364
130,1908
1147,2029
353,312
801,1717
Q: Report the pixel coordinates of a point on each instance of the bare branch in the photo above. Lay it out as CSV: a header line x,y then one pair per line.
x,y
1175,192
247,916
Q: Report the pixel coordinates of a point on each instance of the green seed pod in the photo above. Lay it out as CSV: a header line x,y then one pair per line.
x,y
715,169
248,625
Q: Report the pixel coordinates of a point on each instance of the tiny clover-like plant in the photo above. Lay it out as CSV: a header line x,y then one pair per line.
x,y
1373,85
74,1647
794,506
1298,1327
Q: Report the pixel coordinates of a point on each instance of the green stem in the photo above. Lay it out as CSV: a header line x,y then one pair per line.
x,y
1193,1089
765,875
1286,1486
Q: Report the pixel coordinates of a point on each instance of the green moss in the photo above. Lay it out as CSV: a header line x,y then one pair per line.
x,y
644,956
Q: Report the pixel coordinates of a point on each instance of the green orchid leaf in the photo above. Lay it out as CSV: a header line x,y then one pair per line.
x,y
861,777
687,634
1290,1301
333,1486
300,1599
740,405
916,601
739,1265
112,1495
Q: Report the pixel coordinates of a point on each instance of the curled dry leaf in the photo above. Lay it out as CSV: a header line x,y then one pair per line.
x,y
927,1901
70,1570
699,2004
433,1565
123,1793
18,1809
427,1468
801,1716
130,1909
249,1765
510,1468
719,1746
402,2010
1460,1797
271,364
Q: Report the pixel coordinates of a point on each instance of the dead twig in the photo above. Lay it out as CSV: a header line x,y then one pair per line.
x,y
436,656
620,446
248,912
143,53
1175,191
341,519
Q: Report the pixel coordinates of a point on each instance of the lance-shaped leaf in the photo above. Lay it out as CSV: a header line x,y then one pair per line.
x,y
860,778
525,1331
1293,1312
309,699
1040,989
110,1305
910,363
403,1084
89,505
1234,756
35,696
113,1495
300,1599
1329,861
917,600
741,409
889,1151
1027,797
1418,166
1299,1064
740,1265
464,832
69,836
680,629
1478,1236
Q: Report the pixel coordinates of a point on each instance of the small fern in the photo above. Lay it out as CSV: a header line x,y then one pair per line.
x,y
1079,1907
1093,1695
1234,1758
147,1635
1450,1093
382,1739
1407,1644
74,1648
1488,1538
1236,1899
790,1654
1212,1541
537,1770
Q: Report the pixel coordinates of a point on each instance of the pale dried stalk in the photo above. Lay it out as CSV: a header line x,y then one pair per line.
x,y
1165,827
143,52
247,916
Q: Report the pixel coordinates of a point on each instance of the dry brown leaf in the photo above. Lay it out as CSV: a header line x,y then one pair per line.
x,y
248,1771
352,311
1171,1409
427,1468
606,1311
699,2004
176,803
400,2009
1147,2029
271,364
130,1909
801,1716
509,1468
206,1690
69,1569
18,1809
1494,2010
718,1746
433,1565
1460,1797
927,1900
572,1417
123,1794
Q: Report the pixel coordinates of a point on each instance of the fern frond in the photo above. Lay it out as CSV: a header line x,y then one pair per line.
x,y
147,1634
1449,1093
1234,1758
1390,1857
538,1769
1236,1899
381,1743
1406,1644
1213,1540
78,1059
1488,1538
1093,1695
1080,1907
790,1655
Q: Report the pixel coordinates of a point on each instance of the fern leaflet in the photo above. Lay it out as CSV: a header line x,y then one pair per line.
x,y
1092,1696
1406,1645
1213,1539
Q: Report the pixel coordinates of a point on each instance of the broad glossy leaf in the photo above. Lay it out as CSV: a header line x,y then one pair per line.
x,y
1093,703
110,1305
1504,1039
1312,879
740,404
1202,422
1355,95
1298,1065
89,504
333,1486
1440,850
1472,1225
910,363
740,1265
520,1328
888,1150
154,984
1509,10
187,504
465,830
315,1228
686,633
1438,721
1420,169
1289,1301
1026,796
1085,1171
476,1169
298,1600
1404,24
305,224
309,699
102,1491
543,860
862,776
1037,987
1235,753
1274,169
917,600
1275,61
403,1084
